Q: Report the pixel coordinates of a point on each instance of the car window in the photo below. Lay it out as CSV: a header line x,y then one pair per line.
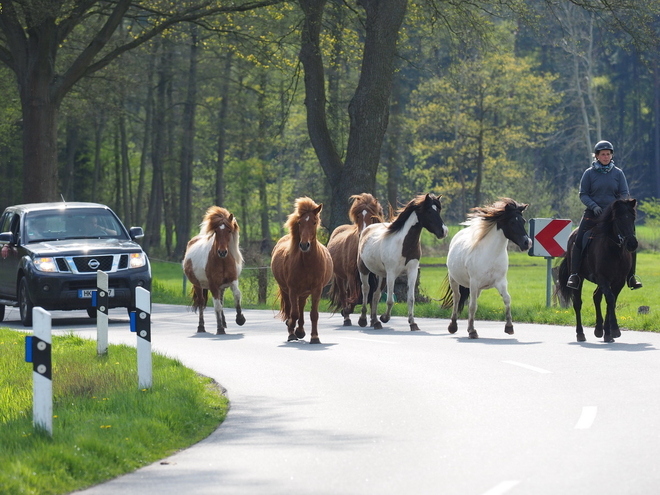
x,y
71,224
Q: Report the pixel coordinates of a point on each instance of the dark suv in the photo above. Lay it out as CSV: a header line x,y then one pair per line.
x,y
50,254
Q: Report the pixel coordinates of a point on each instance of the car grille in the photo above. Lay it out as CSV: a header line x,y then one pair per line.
x,y
90,264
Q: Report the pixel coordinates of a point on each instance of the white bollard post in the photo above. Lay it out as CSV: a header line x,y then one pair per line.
x,y
141,324
38,352
100,301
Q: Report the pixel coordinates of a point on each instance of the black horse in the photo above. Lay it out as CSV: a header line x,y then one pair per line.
x,y
608,249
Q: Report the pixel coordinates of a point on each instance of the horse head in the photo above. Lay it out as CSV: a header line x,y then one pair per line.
x,y
222,225
429,216
512,223
365,210
304,222
621,216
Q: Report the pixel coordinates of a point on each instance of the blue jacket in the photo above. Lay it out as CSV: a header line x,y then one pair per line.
x,y
600,189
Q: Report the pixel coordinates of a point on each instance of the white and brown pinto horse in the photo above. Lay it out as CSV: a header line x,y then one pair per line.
x,y
302,266
478,260
389,249
213,262
345,288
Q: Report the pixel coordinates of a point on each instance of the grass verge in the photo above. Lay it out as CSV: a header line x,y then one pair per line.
x,y
103,426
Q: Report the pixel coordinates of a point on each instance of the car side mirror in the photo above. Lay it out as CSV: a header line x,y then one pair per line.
x,y
136,232
7,238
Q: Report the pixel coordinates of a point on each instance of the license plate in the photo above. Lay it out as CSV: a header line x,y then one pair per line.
x,y
87,293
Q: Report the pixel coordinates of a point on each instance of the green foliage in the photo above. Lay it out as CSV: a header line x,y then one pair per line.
x,y
103,425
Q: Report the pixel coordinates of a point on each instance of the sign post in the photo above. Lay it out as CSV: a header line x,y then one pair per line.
x,y
38,352
100,302
550,238
141,325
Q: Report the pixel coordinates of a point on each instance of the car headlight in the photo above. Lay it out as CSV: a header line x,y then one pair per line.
x,y
137,260
45,264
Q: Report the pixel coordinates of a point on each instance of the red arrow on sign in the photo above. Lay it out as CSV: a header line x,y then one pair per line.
x,y
546,237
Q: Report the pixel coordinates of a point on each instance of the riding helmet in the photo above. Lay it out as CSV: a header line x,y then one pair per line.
x,y
603,145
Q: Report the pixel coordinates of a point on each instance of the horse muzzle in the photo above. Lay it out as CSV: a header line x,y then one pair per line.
x,y
631,244
525,244
304,246
223,253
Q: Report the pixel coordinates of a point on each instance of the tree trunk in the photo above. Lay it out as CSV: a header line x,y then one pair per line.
x,y
222,133
368,109
183,225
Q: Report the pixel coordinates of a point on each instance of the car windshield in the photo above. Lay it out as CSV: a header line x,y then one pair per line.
x,y
71,224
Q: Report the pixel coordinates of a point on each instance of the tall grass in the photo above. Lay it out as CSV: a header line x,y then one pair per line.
x,y
103,425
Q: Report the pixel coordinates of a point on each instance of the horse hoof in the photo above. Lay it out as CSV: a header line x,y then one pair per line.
x,y
453,327
377,326
240,319
384,318
300,333
508,329
414,327
581,337
314,340
474,334
362,322
616,333
221,331
608,339
291,338
598,332
201,330
348,323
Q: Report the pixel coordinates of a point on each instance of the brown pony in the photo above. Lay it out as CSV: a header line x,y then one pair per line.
x,y
302,266
213,262
345,288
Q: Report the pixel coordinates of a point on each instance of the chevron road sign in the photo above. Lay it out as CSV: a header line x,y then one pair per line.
x,y
549,236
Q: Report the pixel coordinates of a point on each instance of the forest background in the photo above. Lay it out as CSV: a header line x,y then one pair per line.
x,y
250,105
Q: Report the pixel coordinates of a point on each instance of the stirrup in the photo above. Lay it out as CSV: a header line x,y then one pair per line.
x,y
635,282
573,281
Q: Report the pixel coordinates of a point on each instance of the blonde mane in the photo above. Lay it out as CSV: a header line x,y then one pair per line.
x,y
215,217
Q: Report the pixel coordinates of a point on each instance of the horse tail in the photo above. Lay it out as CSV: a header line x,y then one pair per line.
x,y
561,290
282,314
334,294
199,298
447,300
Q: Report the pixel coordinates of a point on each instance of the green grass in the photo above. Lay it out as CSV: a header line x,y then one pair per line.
x,y
527,286
103,425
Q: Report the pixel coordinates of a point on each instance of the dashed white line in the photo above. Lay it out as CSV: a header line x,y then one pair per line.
x,y
527,366
502,488
586,418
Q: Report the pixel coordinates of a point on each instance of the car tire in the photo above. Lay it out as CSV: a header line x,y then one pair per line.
x,y
24,304
2,312
91,312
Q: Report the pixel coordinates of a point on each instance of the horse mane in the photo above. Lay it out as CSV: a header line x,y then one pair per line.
x,y
484,218
403,214
302,207
364,201
215,217
605,220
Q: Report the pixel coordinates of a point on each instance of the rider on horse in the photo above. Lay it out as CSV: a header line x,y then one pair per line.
x,y
601,183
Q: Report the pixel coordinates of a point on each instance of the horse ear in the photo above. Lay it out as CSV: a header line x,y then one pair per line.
x,y
318,209
523,207
231,217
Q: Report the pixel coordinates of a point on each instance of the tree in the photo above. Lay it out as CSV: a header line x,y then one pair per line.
x,y
34,32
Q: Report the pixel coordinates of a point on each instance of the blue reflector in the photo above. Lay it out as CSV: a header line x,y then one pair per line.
x,y
28,349
133,321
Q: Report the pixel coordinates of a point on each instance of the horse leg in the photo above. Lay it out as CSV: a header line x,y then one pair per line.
x,y
577,307
364,278
218,300
454,286
202,298
506,298
412,280
472,310
287,310
611,325
240,317
314,317
598,297
375,299
615,330
349,293
385,317
300,331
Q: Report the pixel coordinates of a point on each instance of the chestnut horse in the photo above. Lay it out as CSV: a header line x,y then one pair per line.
x,y
213,262
302,266
389,249
345,290
607,249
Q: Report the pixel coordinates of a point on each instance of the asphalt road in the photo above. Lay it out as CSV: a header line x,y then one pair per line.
x,y
394,411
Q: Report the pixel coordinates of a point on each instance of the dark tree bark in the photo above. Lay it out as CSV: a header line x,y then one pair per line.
x,y
187,152
222,133
368,109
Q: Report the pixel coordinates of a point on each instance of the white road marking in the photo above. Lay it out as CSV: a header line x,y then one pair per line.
x,y
502,488
527,366
368,340
586,418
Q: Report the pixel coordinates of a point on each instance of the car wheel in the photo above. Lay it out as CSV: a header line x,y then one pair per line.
x,y
91,312
24,304
2,312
